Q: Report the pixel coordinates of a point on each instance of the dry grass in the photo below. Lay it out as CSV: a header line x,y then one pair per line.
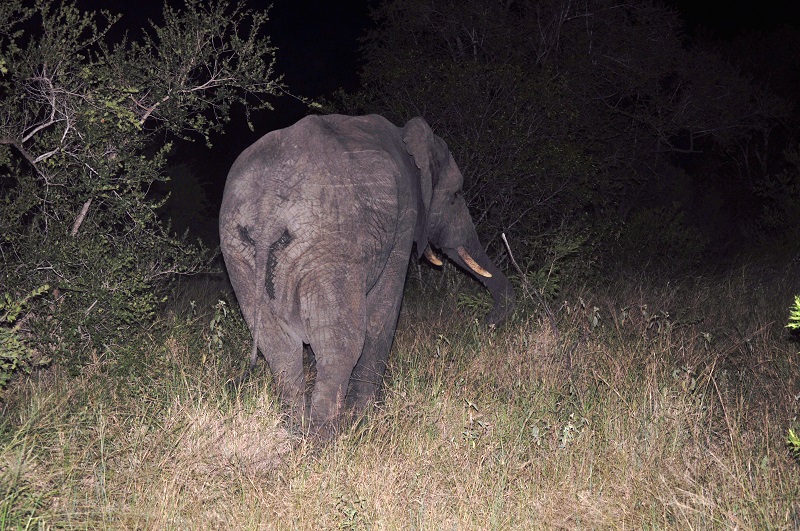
x,y
647,408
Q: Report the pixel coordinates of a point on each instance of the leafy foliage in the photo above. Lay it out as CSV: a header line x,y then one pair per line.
x,y
14,354
660,238
84,114
794,315
793,440
779,194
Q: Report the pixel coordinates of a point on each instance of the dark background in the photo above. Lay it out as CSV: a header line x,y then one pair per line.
x,y
318,41
318,52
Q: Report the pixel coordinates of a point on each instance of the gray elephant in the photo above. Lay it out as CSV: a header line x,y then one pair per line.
x,y
317,225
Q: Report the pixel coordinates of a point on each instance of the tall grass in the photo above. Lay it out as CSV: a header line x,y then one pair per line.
x,y
643,407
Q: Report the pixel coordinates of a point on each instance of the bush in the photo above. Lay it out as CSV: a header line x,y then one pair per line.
x,y
573,125
14,353
86,120
660,239
793,440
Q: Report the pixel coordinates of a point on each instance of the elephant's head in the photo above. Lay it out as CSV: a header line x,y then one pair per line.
x,y
444,220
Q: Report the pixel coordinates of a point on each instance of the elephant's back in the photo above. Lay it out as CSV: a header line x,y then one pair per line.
x,y
323,178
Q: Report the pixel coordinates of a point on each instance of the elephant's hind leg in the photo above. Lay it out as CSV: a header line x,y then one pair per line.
x,y
282,350
337,343
284,356
383,308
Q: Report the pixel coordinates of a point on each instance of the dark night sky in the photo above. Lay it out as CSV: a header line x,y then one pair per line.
x,y
318,45
726,19
317,40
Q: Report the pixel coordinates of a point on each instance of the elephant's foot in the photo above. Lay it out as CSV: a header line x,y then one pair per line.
x,y
324,419
327,402
297,418
361,397
295,406
323,433
360,404
328,431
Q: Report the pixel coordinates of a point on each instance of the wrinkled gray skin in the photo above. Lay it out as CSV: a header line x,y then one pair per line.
x,y
317,226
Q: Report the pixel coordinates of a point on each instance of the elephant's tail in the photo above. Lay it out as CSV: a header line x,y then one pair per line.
x,y
259,277
260,260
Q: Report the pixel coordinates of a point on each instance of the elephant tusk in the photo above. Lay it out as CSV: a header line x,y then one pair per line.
x,y
472,263
432,258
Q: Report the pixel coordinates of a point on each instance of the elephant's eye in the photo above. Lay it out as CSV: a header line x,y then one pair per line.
x,y
456,196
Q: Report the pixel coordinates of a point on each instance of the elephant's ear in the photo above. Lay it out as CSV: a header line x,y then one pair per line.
x,y
419,140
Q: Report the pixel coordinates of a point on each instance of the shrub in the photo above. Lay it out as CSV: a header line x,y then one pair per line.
x,y
14,353
87,117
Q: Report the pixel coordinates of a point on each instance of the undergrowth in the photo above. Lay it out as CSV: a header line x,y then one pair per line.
x,y
636,407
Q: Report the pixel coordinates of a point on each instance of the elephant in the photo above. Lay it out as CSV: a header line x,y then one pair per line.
x,y
317,226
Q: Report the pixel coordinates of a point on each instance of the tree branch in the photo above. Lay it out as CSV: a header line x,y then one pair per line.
x,y
150,109
22,151
79,220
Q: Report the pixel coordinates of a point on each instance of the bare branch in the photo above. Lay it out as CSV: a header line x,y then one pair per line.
x,y
79,220
22,151
150,109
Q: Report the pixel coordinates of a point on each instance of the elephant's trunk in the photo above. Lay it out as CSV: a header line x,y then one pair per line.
x,y
496,282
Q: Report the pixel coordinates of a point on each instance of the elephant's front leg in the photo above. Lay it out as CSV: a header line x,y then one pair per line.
x,y
336,335
383,308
